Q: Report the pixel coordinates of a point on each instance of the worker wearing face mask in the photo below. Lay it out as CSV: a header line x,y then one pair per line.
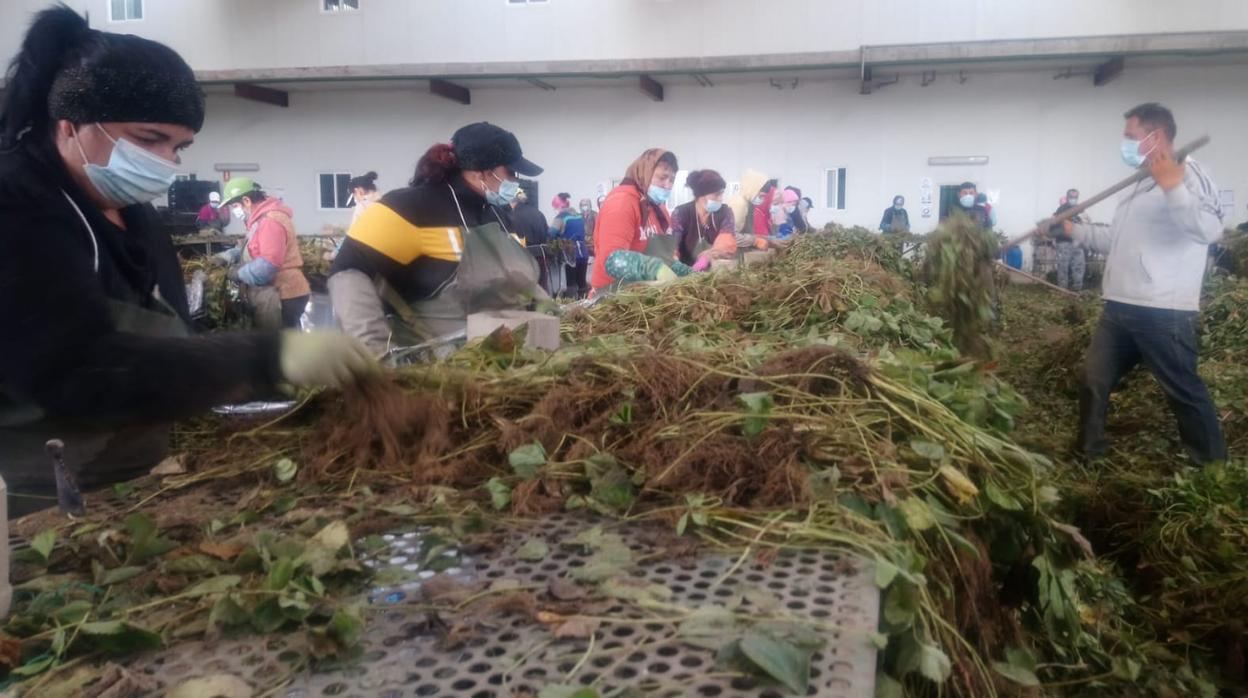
x,y
424,257
633,242
1157,249
1071,264
969,204
895,218
101,357
268,262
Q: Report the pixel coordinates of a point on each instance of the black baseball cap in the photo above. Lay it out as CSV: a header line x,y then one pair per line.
x,y
484,146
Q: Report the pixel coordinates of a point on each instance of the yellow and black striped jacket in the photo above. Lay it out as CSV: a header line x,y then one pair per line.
x,y
412,238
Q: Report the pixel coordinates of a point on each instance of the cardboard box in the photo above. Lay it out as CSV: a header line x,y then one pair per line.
x,y
543,330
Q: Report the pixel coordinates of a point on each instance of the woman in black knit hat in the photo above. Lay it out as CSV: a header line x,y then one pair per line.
x,y
704,227
95,350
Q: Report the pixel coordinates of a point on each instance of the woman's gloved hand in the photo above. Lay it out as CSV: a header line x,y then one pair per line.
x,y
323,359
627,266
703,263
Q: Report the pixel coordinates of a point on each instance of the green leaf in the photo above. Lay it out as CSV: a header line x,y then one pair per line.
x,y
43,543
36,666
901,605
533,550
527,459
758,406
280,574
227,613
888,687
682,523
500,493
1001,498
214,585
73,612
118,575
285,470
144,543
120,636
1125,668
193,564
778,659
1019,675
917,514
623,416
346,626
885,572
929,450
934,664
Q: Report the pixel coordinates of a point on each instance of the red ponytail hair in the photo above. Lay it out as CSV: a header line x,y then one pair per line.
x,y
436,165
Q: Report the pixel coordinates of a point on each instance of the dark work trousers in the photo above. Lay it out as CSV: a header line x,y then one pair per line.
x,y
577,286
292,311
1166,342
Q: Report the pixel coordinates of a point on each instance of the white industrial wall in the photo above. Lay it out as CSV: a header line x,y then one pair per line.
x,y
1041,135
228,34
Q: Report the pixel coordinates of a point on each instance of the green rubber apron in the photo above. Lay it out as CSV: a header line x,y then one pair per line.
x,y
495,273
98,453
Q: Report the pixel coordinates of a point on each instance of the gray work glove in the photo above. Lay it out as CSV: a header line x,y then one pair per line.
x,y
324,359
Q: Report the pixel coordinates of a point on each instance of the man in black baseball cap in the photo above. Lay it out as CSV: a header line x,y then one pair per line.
x,y
484,146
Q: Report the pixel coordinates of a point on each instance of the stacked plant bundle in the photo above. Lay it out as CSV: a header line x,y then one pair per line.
x,y
958,268
1179,533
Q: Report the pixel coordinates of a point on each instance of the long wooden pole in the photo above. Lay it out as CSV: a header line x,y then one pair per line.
x,y
1138,176
1036,279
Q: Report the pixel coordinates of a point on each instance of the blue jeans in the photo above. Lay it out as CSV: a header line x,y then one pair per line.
x,y
1166,342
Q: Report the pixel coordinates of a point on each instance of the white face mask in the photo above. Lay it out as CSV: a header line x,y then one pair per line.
x,y
132,175
238,212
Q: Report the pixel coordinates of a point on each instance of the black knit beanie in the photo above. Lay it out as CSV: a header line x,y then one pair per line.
x,y
128,78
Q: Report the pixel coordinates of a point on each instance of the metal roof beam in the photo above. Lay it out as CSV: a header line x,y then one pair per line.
x,y
451,91
1187,44
650,87
259,93
1108,70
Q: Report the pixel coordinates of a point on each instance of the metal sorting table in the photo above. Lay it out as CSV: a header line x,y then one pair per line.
x,y
403,658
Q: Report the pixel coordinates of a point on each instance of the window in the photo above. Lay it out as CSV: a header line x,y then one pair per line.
x,y
125,10
834,189
340,5
517,3
335,190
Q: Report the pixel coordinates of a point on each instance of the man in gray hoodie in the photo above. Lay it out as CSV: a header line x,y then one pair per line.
x,y
1157,247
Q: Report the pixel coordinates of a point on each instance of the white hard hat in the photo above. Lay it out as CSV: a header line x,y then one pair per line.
x,y
214,197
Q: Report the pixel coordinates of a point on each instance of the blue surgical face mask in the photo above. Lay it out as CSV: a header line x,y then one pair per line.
x,y
132,175
238,212
658,194
507,192
790,209
713,205
758,200
967,201
775,209
1131,154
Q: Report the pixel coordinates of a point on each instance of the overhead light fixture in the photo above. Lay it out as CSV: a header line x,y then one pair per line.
x,y
947,160
236,167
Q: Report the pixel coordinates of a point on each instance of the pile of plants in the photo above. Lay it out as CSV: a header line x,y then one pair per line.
x,y
811,402
1177,533
958,269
